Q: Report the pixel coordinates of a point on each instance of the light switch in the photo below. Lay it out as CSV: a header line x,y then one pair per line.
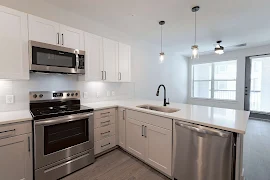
x,y
9,99
108,93
85,95
113,93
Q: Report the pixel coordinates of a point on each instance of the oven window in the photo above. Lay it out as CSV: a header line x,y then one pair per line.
x,y
49,57
61,136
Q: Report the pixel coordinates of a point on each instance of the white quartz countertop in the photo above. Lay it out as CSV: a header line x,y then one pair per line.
x,y
15,116
220,118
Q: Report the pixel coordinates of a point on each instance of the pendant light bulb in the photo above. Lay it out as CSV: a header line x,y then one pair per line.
x,y
161,54
195,52
161,57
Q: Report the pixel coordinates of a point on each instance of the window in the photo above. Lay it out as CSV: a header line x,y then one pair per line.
x,y
214,80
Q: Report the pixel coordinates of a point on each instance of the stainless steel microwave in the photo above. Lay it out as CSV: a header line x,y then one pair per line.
x,y
55,59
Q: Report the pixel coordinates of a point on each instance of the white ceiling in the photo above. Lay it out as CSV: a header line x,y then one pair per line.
x,y
233,21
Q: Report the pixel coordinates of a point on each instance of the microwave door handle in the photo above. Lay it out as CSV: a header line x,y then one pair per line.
x,y
77,61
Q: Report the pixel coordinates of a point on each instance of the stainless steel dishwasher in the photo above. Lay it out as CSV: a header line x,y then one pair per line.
x,y
202,153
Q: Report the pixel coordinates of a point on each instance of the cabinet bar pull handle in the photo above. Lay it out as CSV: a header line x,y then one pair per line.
x,y
106,145
105,113
102,75
124,112
5,134
29,148
62,39
120,76
142,130
105,75
58,38
105,122
145,131
105,132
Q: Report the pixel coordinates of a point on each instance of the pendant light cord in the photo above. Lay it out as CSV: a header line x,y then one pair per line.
x,y
195,28
161,38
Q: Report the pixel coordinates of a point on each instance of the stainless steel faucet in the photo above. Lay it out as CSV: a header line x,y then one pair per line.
x,y
165,101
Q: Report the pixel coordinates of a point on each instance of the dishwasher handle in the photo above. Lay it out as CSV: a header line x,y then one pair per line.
x,y
204,130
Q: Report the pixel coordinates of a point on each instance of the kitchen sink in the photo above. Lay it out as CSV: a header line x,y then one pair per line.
x,y
159,108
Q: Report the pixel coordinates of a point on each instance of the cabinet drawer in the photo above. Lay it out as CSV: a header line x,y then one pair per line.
x,y
104,132
15,129
104,144
104,113
150,119
102,122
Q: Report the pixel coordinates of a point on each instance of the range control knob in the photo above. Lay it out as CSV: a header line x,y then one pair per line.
x,y
68,94
34,96
41,95
72,94
76,94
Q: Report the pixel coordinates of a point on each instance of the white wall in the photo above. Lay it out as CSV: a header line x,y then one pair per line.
x,y
240,56
146,73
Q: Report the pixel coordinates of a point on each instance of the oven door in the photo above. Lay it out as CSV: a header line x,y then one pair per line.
x,y
61,137
51,58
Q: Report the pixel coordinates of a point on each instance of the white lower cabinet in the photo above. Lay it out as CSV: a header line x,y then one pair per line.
x,y
104,130
16,152
150,142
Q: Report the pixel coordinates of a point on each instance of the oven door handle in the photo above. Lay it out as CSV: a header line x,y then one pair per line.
x,y
63,119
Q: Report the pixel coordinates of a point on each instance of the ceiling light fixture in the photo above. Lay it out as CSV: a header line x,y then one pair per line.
x,y
195,48
219,49
161,54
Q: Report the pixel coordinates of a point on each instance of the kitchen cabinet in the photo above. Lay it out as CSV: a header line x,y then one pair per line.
x,y
122,127
46,31
150,140
13,44
110,56
93,58
136,142
124,63
16,151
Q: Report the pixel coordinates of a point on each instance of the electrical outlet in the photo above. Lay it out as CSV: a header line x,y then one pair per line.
x,y
9,99
98,94
113,93
108,93
85,95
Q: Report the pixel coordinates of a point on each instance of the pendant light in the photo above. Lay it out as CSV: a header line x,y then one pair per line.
x,y
195,47
219,49
161,54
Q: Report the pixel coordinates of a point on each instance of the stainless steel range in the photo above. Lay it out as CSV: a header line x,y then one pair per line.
x,y
63,134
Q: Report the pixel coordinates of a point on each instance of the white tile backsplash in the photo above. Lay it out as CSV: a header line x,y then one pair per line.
x,y
58,82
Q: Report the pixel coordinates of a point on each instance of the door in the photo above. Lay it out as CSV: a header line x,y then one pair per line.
x,y
71,37
135,142
110,55
122,127
16,158
124,63
13,44
94,57
257,86
57,136
43,30
158,148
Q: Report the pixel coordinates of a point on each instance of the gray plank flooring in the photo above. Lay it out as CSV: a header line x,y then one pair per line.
x,y
117,165
257,150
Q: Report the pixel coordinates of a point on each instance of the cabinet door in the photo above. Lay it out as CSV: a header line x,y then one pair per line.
x,y
122,127
71,37
43,30
110,53
16,153
124,63
13,44
94,58
135,142
159,148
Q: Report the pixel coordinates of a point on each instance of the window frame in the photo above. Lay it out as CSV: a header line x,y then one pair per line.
x,y
212,80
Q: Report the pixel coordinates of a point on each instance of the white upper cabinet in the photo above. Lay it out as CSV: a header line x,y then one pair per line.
x,y
50,32
71,37
124,63
43,30
93,57
110,57
13,44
